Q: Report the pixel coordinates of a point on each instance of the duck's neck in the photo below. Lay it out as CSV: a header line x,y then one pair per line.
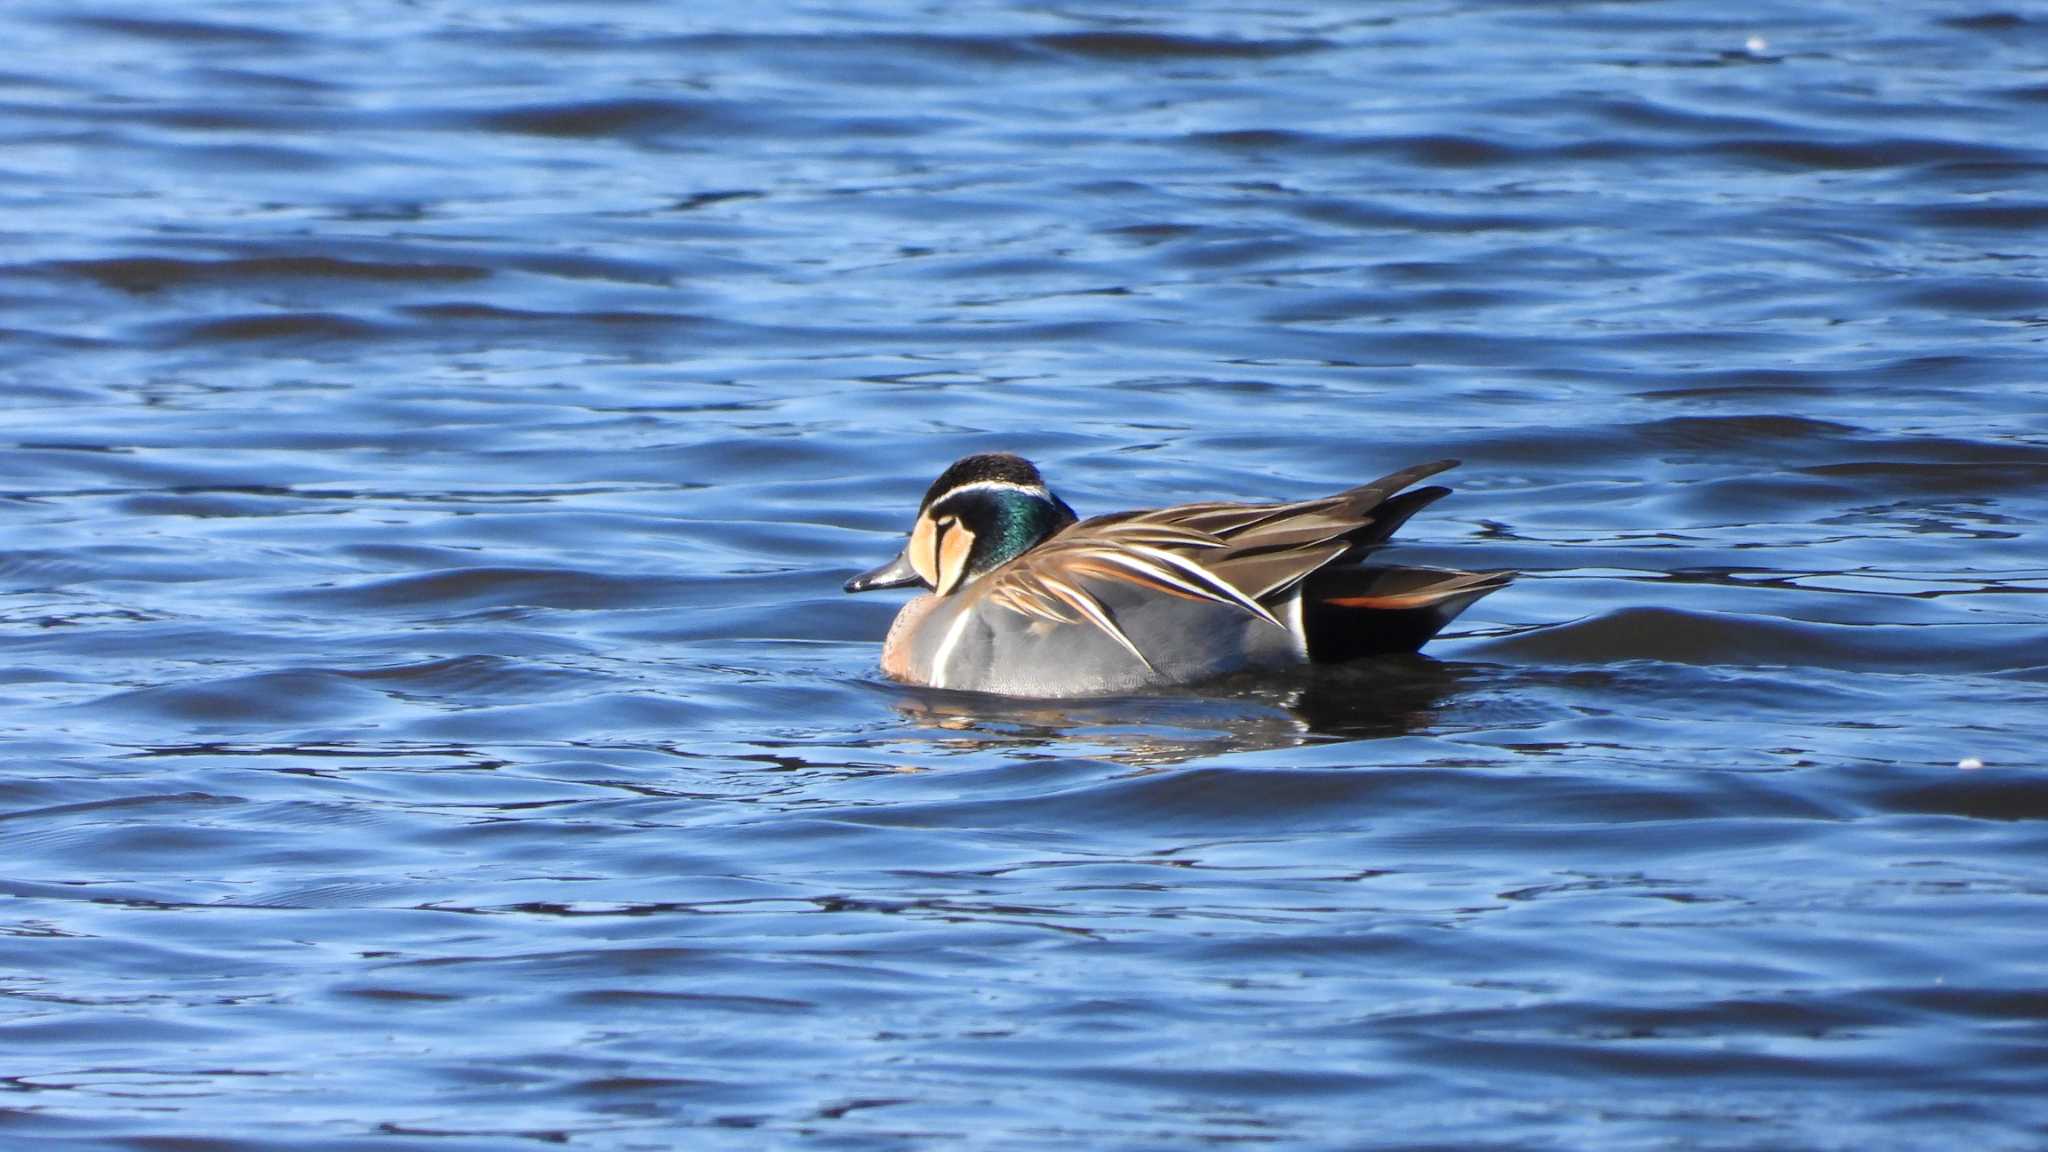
x,y
1020,523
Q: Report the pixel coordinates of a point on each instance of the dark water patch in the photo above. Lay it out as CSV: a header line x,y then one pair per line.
x,y
281,119
702,200
1712,639
56,477
148,274
2018,792
1996,216
532,322
1370,216
1639,113
467,677
1449,151
468,589
1778,437
186,31
1257,140
1956,370
249,78
1946,467
1792,154
134,635
881,49
59,446
2027,94
255,159
280,327
1151,234
262,699
1986,22
627,118
2013,1004
216,504
121,804
1423,150
399,995
618,268
1437,151
1143,46
1291,801
596,713
1990,297
1812,1018
1651,1063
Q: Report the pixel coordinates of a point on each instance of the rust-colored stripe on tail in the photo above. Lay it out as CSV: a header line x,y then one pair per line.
x,y
1394,600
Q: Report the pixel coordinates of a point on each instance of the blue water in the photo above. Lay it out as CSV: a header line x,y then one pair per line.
x,y
432,437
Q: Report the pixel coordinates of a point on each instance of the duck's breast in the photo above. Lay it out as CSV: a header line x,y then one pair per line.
x,y
903,656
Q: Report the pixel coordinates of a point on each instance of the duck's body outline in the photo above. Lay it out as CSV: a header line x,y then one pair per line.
x,y
1025,599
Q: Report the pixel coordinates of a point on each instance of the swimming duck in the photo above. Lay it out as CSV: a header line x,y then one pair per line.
x,y
1024,598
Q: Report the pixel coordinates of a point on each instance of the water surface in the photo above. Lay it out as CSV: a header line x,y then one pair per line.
x,y
432,437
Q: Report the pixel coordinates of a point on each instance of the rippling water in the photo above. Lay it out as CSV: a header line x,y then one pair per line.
x,y
434,435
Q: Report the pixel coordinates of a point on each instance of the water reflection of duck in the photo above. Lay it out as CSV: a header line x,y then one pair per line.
x,y
1026,599
1371,699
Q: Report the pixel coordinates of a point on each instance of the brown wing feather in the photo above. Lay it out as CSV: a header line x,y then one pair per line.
x,y
1240,554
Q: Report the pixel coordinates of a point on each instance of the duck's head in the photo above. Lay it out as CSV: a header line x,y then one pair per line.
x,y
981,513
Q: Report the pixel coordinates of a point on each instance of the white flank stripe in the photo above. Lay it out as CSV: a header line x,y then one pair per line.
x,y
946,646
1291,611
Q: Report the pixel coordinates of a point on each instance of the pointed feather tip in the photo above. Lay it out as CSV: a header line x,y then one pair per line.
x,y
1424,471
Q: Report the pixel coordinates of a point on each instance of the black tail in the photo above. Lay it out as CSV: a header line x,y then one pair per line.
x,y
1350,612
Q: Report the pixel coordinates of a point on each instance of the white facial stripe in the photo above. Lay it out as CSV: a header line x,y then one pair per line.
x,y
1038,490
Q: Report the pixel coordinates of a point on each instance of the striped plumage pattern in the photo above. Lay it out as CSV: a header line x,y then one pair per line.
x,y
1025,599
1247,555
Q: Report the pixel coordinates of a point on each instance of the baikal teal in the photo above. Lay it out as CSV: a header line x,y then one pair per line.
x,y
1026,600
